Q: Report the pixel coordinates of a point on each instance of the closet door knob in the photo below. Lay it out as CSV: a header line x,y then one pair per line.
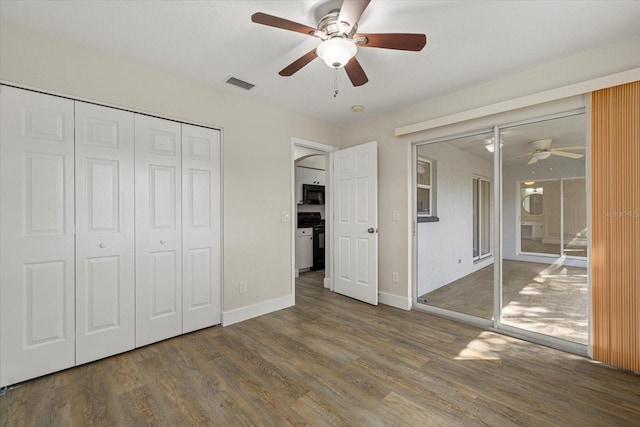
x,y
162,242
102,245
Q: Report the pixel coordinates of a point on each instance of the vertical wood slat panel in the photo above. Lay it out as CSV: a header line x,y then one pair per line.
x,y
615,190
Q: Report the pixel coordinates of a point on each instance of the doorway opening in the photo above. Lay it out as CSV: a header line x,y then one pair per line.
x,y
310,207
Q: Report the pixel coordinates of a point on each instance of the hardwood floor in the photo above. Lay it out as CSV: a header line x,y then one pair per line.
x,y
332,361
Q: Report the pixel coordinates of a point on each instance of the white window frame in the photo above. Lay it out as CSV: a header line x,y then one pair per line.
x,y
430,187
481,218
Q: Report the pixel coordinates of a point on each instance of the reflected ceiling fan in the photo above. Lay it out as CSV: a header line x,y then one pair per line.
x,y
340,40
542,150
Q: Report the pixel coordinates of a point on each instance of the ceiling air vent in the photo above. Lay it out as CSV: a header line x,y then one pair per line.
x,y
239,83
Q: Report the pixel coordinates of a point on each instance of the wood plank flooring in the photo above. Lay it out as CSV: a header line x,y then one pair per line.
x,y
332,361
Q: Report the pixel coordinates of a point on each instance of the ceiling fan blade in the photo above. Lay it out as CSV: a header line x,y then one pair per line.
x,y
575,147
517,157
296,65
533,160
399,41
351,11
355,72
285,24
567,154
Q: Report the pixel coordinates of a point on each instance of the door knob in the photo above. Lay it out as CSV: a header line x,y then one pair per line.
x,y
162,242
102,245
371,230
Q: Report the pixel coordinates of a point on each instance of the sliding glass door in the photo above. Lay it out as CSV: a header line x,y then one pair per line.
x,y
544,270
539,287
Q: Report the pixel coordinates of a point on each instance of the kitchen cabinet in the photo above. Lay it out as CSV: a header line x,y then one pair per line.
x,y
298,184
304,248
312,176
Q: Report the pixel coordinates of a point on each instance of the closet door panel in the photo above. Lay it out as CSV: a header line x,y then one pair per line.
x,y
158,229
201,227
37,235
105,271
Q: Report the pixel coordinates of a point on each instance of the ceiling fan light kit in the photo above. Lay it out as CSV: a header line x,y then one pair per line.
x,y
337,30
336,51
541,155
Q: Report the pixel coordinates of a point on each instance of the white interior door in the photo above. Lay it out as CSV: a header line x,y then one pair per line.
x,y
200,227
105,286
158,229
355,180
37,334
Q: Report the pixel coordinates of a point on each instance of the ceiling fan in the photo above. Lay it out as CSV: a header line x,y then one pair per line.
x,y
542,150
340,40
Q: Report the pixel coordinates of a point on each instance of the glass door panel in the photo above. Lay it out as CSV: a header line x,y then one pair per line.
x,y
544,219
455,262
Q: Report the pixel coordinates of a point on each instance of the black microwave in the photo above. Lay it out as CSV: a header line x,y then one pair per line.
x,y
312,194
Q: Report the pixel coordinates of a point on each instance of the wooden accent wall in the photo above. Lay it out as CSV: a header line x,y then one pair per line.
x,y
615,258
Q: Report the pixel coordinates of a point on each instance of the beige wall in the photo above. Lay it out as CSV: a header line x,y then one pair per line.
x,y
257,145
395,153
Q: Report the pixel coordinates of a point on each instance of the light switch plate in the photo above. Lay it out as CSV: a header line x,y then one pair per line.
x,y
284,216
395,215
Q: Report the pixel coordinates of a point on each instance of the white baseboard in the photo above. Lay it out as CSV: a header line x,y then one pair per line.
x,y
327,283
255,310
396,301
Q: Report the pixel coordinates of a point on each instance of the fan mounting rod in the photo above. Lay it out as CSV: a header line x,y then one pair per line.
x,y
330,27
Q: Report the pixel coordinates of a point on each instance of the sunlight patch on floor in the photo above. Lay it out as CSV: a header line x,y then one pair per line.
x,y
485,347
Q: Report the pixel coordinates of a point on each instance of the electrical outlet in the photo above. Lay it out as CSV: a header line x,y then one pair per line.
x,y
395,215
243,286
395,277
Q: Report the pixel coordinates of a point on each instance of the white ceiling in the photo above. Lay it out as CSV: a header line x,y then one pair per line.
x,y
468,43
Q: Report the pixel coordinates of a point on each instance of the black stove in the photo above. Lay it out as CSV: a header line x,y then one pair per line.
x,y
310,219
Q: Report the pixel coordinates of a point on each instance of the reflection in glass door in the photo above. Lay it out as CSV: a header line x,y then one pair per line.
x,y
540,214
544,274
454,233
482,219
574,217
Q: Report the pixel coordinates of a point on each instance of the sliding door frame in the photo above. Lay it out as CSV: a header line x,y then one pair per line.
x,y
495,324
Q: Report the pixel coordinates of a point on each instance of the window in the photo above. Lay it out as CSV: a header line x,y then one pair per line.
x,y
481,189
425,187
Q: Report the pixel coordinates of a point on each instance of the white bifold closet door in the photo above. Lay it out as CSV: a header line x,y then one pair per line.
x,y
158,229
37,235
201,227
105,271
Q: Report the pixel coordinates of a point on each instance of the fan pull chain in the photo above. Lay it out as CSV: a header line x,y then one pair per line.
x,y
335,82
